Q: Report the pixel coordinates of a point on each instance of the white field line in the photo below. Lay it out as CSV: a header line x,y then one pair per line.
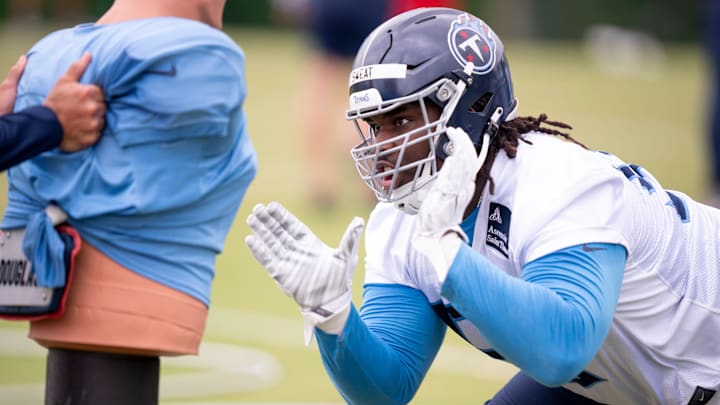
x,y
219,369
223,368
455,357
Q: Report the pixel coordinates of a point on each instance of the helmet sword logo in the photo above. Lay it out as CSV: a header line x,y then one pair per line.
x,y
470,40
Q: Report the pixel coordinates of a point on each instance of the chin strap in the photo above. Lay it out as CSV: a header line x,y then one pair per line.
x,y
410,204
438,234
492,129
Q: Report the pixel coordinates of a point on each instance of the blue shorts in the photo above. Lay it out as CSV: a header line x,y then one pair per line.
x,y
339,27
523,390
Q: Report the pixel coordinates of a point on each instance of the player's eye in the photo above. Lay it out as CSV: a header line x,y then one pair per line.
x,y
401,122
374,128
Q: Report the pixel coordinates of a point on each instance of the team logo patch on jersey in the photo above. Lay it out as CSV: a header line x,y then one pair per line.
x,y
498,231
470,40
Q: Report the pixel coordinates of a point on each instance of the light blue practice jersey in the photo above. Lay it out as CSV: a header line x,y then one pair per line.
x,y
159,191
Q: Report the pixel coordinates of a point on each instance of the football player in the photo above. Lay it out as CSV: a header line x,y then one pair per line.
x,y
576,267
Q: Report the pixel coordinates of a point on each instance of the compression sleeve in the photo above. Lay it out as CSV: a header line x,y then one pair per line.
x,y
27,133
551,322
383,353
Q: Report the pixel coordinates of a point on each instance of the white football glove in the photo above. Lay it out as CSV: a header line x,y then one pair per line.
x,y
438,234
316,276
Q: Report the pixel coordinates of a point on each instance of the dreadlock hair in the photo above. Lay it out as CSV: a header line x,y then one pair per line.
x,y
508,138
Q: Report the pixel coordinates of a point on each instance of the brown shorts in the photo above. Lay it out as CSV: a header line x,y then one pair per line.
x,y
112,309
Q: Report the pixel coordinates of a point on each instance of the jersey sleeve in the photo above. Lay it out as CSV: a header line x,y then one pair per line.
x,y
27,133
549,323
564,196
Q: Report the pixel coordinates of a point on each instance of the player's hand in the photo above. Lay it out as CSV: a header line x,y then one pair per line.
x,y
438,234
8,87
79,107
316,276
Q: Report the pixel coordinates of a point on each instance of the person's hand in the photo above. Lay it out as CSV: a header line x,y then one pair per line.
x,y
316,276
438,234
8,87
80,108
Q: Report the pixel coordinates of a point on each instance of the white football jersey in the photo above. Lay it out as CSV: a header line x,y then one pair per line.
x,y
663,342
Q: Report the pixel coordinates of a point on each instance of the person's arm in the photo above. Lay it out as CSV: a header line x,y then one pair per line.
x,y
26,134
552,321
379,357
383,354
80,108
8,87
71,117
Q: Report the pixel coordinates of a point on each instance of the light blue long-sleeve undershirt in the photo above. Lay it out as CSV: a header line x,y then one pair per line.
x,y
550,323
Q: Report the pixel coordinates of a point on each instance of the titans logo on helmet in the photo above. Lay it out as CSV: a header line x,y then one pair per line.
x,y
470,40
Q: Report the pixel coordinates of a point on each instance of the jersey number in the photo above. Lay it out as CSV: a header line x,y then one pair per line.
x,y
633,172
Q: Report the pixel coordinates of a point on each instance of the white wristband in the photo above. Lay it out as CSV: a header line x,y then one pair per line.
x,y
336,323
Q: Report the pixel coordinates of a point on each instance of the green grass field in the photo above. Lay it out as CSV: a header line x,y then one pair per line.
x,y
253,350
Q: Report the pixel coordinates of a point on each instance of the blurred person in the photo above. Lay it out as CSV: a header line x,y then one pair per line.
x,y
150,205
400,6
711,15
70,118
335,28
576,267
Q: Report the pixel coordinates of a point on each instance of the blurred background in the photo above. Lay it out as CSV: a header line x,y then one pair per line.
x,y
632,77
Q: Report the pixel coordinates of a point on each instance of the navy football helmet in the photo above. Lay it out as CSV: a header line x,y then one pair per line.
x,y
428,55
